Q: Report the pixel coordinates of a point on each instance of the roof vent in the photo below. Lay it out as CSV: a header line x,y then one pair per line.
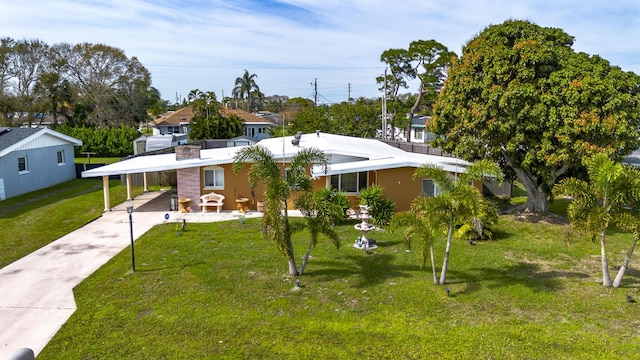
x,y
296,138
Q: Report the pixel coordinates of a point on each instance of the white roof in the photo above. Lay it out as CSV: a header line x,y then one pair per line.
x,y
352,154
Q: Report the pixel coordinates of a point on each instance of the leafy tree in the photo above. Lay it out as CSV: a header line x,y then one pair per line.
x,y
245,88
519,95
113,84
432,60
208,122
426,60
602,203
264,168
401,71
311,118
360,118
457,202
275,103
322,209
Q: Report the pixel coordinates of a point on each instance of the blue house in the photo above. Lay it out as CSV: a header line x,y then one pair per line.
x,y
34,158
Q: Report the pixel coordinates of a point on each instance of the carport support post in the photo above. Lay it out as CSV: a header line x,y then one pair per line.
x,y
144,180
129,187
105,192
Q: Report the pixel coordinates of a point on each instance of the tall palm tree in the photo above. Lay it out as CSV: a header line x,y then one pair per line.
x,y
245,86
457,202
264,168
603,203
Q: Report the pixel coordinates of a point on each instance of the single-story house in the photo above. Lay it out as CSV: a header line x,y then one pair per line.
x,y
354,163
34,158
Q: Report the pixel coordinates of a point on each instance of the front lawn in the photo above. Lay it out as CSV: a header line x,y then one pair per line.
x,y
219,291
31,221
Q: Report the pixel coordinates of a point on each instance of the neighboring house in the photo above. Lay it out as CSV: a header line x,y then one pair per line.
x,y
256,127
354,163
419,133
34,158
173,122
177,122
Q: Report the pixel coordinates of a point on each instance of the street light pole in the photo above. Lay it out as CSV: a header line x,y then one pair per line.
x,y
133,256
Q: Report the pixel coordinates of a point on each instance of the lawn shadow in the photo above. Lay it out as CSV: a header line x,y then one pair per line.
x,y
22,204
525,274
369,269
631,277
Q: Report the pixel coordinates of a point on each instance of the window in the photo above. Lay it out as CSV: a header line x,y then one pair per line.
x,y
350,183
214,177
60,155
419,134
23,165
173,130
429,188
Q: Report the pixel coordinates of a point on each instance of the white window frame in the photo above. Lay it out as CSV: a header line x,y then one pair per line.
x,y
358,180
419,134
213,170
60,158
25,158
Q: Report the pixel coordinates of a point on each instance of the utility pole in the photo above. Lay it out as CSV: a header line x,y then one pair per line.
x,y
349,92
315,91
384,107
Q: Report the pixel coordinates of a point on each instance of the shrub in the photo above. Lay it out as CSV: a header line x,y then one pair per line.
x,y
381,208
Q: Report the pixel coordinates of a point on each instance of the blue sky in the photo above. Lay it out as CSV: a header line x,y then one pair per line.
x,y
206,44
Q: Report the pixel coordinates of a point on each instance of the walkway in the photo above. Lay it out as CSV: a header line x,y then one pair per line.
x,y
37,290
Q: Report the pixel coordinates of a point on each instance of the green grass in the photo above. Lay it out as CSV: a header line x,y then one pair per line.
x,y
31,221
219,291
96,160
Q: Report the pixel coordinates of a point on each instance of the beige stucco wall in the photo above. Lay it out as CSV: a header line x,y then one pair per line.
x,y
399,186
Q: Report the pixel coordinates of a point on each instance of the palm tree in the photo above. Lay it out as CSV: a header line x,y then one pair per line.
x,y
264,168
418,225
458,202
602,203
322,209
245,86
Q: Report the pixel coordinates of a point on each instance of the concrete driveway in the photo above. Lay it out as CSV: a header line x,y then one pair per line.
x,y
36,292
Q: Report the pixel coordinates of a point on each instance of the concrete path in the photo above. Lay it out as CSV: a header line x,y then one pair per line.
x,y
36,292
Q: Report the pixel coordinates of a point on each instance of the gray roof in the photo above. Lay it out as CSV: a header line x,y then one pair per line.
x,y
12,136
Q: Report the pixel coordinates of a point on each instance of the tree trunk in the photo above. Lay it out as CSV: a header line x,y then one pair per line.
x,y
293,270
625,264
537,198
445,263
433,265
306,257
606,278
414,108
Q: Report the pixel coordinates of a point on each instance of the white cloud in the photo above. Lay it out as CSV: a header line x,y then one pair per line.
x,y
206,44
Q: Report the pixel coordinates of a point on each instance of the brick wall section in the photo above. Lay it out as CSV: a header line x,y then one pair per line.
x,y
189,186
188,179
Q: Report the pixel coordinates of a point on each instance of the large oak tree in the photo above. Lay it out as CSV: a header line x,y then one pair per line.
x,y
520,95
